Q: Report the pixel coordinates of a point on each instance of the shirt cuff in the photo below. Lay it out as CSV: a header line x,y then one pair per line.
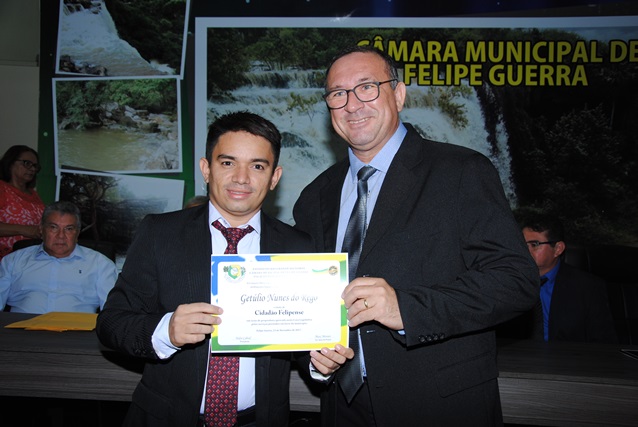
x,y
161,340
316,375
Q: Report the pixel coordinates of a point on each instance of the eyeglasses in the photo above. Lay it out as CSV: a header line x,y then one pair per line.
x,y
55,229
535,244
365,92
29,164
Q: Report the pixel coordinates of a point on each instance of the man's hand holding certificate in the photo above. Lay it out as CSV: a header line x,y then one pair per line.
x,y
279,302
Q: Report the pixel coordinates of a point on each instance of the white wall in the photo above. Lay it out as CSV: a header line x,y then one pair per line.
x,y
19,96
19,72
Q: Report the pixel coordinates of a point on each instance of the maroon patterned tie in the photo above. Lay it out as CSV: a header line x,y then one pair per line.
x,y
223,371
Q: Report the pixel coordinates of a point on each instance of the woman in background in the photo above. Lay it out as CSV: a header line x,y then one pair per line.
x,y
20,205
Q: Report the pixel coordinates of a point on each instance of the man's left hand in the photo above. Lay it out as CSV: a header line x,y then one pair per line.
x,y
372,298
327,361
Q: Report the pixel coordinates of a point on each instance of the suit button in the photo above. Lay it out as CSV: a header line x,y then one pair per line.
x,y
421,339
429,338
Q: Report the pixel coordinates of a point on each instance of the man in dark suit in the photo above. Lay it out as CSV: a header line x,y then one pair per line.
x,y
575,306
159,309
442,261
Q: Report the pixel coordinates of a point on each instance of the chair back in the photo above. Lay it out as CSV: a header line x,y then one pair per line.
x,y
25,243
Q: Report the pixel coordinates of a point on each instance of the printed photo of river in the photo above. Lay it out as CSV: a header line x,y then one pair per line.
x,y
118,126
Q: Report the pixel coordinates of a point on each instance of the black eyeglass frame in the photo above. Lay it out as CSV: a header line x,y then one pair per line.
x,y
535,243
29,164
354,90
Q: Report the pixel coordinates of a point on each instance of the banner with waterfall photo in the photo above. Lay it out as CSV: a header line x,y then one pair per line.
x,y
550,101
122,38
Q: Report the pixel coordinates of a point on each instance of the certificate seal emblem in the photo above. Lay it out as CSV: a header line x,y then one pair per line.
x,y
333,270
234,272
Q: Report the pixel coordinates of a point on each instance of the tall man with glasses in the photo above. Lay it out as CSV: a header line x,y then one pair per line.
x,y
439,261
59,274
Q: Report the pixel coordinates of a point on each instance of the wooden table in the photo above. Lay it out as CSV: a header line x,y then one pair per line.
x,y
565,384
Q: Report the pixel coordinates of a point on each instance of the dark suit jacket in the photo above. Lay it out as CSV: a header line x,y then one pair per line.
x,y
579,310
443,235
168,264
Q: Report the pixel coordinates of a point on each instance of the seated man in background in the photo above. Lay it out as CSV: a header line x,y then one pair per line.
x,y
57,275
575,306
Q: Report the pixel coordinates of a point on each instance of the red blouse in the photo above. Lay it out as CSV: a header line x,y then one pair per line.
x,y
20,208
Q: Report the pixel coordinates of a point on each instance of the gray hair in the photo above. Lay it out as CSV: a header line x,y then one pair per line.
x,y
63,207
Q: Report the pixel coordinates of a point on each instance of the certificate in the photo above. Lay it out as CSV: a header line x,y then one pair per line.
x,y
279,302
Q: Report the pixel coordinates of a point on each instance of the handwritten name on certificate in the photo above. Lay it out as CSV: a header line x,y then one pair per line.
x,y
279,302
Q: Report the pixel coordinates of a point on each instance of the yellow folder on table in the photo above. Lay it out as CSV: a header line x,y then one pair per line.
x,y
58,321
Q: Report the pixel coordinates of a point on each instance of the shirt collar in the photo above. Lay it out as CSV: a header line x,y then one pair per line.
x,y
78,253
214,215
551,274
382,160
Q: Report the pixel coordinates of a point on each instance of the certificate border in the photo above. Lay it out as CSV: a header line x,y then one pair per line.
x,y
341,258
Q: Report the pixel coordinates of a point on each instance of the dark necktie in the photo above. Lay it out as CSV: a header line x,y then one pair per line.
x,y
223,371
538,325
350,377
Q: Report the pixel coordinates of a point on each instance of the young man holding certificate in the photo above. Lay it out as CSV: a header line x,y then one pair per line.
x,y
160,307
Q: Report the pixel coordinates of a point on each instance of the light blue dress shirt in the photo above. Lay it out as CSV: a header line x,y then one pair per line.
x,y
381,162
32,281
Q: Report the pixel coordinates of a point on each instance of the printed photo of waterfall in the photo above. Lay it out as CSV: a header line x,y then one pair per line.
x,y
551,106
121,38
120,125
112,206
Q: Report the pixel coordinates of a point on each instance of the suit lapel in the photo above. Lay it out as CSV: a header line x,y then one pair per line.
x,y
398,184
196,248
271,239
198,240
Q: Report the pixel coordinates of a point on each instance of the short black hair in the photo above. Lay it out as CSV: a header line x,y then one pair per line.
x,y
390,65
544,223
247,122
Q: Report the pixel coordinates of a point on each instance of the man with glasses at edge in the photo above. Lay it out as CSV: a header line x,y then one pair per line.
x,y
59,274
440,258
575,306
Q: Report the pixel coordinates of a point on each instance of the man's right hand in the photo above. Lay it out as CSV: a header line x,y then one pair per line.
x,y
190,323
